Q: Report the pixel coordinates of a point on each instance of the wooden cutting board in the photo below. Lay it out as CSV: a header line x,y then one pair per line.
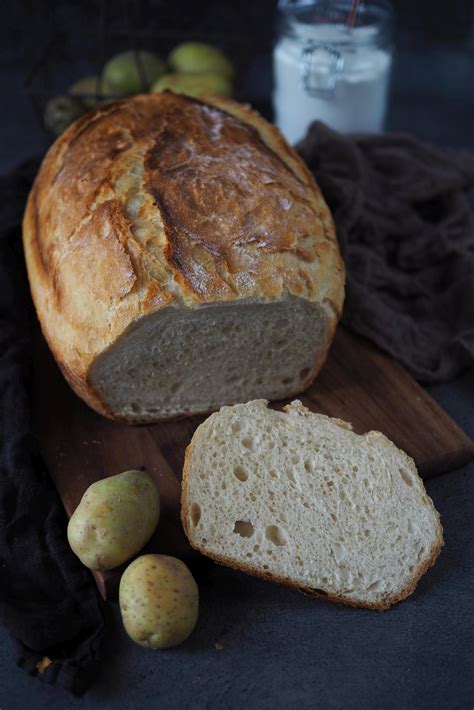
x,y
358,383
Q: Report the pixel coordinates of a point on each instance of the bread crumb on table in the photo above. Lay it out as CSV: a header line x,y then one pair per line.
x,y
43,664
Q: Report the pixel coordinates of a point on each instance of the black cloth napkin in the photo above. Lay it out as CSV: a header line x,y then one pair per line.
x,y
406,231
48,600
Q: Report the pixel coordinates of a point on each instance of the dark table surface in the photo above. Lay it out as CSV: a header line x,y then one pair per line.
x,y
281,649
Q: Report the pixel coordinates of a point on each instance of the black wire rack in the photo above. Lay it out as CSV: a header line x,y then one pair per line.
x,y
67,56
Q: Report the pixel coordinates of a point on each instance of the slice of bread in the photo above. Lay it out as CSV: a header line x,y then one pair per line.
x,y
300,499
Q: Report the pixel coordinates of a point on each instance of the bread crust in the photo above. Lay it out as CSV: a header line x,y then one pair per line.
x,y
285,581
163,200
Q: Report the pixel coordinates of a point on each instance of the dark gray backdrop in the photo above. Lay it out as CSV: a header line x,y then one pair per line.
x,y
282,650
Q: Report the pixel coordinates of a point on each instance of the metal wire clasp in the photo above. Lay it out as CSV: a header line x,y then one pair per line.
x,y
321,64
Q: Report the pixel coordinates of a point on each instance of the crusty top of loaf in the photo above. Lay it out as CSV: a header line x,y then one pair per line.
x,y
164,200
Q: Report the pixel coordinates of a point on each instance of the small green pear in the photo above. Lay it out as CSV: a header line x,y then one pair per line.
x,y
196,85
198,57
114,519
122,74
159,601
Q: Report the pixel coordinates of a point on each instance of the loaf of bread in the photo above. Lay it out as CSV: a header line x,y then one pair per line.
x,y
180,257
300,499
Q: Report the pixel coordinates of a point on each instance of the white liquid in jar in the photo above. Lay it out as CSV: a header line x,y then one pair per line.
x,y
358,100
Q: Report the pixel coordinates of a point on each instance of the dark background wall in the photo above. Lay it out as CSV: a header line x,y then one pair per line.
x,y
432,76
25,22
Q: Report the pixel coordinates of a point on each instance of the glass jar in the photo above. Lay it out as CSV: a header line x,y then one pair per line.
x,y
332,63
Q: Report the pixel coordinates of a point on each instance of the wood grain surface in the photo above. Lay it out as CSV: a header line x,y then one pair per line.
x,y
358,383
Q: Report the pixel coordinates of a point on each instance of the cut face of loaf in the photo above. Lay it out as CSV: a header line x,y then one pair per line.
x,y
301,499
178,362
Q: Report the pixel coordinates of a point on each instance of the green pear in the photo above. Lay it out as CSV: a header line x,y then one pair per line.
x,y
122,75
196,85
197,57
114,519
159,601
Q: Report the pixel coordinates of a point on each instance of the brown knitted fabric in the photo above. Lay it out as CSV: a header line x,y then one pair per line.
x,y
406,230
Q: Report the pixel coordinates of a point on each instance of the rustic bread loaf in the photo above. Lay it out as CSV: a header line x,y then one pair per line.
x,y
180,257
301,499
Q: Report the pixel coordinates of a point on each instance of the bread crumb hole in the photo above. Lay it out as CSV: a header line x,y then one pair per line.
x,y
366,532
334,517
244,528
240,473
406,476
306,504
273,474
295,459
374,585
236,427
308,466
256,548
276,535
265,566
355,469
321,592
248,443
195,514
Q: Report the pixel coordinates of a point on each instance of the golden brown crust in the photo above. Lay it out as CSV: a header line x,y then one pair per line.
x,y
161,199
285,581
